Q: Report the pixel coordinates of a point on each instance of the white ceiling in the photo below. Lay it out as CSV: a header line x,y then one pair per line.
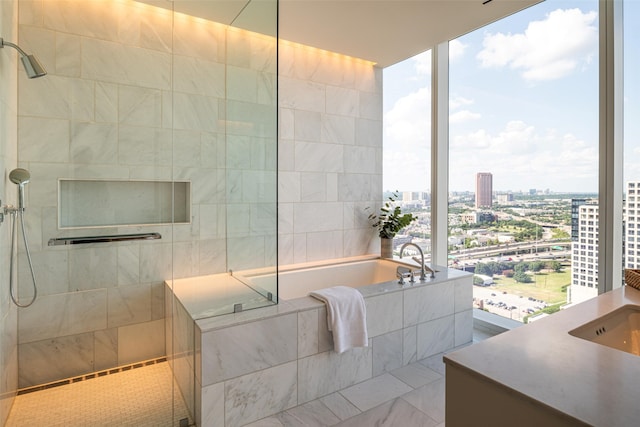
x,y
381,31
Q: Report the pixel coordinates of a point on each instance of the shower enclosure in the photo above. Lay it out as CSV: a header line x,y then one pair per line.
x,y
152,149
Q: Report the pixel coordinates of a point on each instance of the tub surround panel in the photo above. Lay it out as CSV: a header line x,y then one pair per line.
x,y
242,349
428,303
295,331
257,395
212,406
327,372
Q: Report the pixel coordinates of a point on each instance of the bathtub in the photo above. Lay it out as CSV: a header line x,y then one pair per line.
x,y
283,354
296,282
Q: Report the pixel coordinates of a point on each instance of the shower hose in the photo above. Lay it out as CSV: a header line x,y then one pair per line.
x,y
14,218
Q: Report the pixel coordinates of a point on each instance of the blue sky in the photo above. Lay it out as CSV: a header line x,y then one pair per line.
x,y
523,104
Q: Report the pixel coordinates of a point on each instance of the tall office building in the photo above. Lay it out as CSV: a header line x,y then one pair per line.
x,y
575,214
584,256
632,225
484,190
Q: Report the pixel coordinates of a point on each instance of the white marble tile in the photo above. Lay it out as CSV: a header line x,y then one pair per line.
x,y
195,112
299,248
358,159
409,345
128,305
332,187
286,156
340,406
387,352
286,123
199,76
212,256
313,217
106,99
268,391
91,19
64,314
430,399
289,187
313,187
155,29
428,302
435,363
355,187
144,146
435,336
343,102
93,268
370,105
94,143
375,391
128,264
338,129
308,126
139,106
155,262
463,296
49,360
67,55
325,336
324,245
242,349
105,348
242,84
416,375
51,271
141,341
314,414
463,332
358,242
316,157
324,373
301,95
118,63
384,313
212,405
43,140
369,132
394,413
199,38
307,333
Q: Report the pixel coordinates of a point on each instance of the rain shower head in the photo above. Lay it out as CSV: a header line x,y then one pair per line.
x,y
32,67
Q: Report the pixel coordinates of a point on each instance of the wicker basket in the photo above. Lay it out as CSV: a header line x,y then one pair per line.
x,y
632,278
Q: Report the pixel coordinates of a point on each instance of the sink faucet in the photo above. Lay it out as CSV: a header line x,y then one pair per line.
x,y
423,267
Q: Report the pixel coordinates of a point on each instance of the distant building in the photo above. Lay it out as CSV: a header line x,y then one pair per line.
x,y
505,198
575,213
484,190
632,225
584,256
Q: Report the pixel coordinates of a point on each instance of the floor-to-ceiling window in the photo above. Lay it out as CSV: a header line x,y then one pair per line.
x,y
407,145
523,169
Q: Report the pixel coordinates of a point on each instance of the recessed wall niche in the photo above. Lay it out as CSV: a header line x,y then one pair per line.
x,y
104,203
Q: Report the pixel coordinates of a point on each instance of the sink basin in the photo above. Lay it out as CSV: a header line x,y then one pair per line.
x,y
619,329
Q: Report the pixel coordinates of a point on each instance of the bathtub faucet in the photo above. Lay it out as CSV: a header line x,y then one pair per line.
x,y
423,267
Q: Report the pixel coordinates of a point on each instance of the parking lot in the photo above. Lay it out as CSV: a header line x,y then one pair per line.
x,y
508,305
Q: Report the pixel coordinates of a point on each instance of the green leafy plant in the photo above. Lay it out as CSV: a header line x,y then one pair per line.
x,y
390,220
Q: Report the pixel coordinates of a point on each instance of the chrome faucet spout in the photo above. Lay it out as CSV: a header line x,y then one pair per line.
x,y
423,267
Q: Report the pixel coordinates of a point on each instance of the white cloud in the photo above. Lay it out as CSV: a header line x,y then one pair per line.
x,y
423,63
521,157
463,116
459,101
549,49
456,50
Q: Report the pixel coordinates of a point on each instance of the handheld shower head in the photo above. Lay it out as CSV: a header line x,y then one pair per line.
x,y
20,177
32,67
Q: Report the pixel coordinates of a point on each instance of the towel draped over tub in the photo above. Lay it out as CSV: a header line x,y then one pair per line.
x,y
346,316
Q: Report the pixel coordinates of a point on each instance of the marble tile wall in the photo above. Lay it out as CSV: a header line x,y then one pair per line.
x,y
330,154
259,373
8,161
134,92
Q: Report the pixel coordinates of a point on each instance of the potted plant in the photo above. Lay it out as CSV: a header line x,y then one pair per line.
x,y
389,221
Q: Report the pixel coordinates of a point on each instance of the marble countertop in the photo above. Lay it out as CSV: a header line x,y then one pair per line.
x,y
590,382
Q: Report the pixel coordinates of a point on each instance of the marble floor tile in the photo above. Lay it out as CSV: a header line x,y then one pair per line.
x,y
340,406
435,363
416,375
430,399
375,391
391,414
314,414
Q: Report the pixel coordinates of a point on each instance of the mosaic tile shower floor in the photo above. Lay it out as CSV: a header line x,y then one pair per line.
x,y
137,397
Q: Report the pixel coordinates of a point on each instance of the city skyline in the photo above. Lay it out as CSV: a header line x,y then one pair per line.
x,y
523,107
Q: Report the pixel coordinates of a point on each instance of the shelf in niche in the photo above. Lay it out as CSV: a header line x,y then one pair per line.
x,y
84,203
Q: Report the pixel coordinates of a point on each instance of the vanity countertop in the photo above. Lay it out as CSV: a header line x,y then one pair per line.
x,y
589,382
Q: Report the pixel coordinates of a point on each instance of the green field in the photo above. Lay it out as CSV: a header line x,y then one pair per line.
x,y
547,286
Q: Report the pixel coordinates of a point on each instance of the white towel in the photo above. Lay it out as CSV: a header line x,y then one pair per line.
x,y
346,316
